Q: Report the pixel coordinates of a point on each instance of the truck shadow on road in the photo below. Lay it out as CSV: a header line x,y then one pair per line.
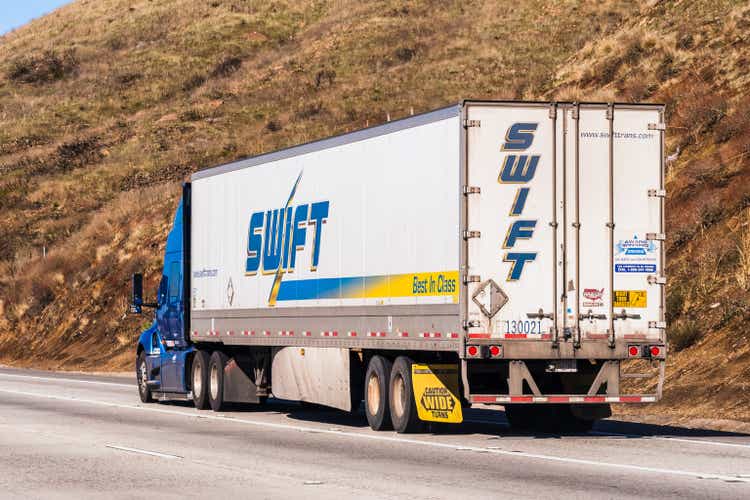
x,y
484,421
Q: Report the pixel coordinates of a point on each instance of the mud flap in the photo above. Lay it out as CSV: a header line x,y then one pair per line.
x,y
436,393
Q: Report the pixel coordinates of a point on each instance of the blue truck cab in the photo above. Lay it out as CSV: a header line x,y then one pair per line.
x,y
164,349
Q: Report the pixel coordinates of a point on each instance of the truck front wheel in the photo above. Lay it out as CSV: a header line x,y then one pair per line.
x,y
216,380
199,380
141,373
377,380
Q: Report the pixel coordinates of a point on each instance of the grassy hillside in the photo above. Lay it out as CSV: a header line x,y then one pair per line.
x,y
105,105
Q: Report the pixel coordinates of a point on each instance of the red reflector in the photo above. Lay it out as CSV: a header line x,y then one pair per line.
x,y
472,350
494,351
655,350
633,350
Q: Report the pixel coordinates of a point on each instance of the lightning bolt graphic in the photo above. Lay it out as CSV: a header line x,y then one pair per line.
x,y
280,271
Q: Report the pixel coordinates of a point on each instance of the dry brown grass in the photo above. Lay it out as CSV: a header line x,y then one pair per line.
x,y
152,91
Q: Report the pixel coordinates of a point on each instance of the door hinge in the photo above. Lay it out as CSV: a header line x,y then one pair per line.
x,y
657,126
656,280
472,234
610,111
661,325
471,323
472,190
657,193
574,112
656,236
472,123
472,278
553,110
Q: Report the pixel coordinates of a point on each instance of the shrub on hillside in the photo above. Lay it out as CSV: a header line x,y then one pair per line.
x,y
226,67
47,67
684,334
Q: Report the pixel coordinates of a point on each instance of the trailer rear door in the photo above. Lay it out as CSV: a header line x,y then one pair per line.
x,y
564,224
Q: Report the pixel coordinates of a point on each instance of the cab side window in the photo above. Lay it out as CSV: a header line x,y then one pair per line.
x,y
174,282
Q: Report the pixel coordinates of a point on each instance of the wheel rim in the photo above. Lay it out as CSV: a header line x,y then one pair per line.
x,y
197,380
214,382
143,375
398,392
373,394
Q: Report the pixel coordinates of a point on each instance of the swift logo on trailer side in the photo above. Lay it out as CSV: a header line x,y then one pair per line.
x,y
518,169
275,249
275,236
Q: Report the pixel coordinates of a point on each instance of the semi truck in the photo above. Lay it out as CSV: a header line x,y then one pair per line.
x,y
488,252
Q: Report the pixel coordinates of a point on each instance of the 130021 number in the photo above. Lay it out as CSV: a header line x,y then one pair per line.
x,y
523,326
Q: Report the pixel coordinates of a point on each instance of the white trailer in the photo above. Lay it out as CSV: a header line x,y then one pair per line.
x,y
487,252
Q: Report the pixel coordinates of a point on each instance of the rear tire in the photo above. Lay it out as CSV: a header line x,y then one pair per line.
x,y
403,407
199,380
141,374
377,380
216,380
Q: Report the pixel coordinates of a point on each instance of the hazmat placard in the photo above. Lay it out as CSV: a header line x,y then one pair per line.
x,y
436,393
629,298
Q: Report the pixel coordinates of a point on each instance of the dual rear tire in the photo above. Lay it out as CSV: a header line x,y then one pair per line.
x,y
207,377
389,395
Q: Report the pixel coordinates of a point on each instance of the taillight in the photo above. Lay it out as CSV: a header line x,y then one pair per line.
x,y
495,351
634,351
473,351
656,351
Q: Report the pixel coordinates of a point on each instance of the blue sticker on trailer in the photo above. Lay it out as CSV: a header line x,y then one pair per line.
x,y
635,268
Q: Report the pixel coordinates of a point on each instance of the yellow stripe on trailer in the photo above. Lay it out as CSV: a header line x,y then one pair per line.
x,y
436,393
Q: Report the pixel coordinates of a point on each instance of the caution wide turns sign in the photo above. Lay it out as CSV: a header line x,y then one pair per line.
x,y
436,393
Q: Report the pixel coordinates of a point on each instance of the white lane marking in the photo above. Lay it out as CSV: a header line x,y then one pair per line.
x,y
398,440
142,452
598,433
667,438
637,436
64,379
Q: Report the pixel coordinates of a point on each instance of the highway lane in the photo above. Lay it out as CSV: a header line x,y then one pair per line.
x,y
84,436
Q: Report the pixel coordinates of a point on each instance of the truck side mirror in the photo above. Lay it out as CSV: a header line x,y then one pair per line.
x,y
137,302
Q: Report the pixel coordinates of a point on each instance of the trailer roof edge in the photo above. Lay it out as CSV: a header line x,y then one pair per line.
x,y
440,114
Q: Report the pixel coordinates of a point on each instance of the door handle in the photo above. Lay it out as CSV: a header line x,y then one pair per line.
x,y
540,314
591,316
624,315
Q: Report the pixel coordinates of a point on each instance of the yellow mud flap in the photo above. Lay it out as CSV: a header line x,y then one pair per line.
x,y
436,393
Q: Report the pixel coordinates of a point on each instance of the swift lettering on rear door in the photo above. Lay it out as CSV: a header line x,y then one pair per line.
x,y
518,168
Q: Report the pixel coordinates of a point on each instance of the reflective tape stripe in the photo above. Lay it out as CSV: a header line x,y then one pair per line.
x,y
479,335
562,399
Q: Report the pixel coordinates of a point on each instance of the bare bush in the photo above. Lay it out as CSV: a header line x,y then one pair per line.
x,y
47,67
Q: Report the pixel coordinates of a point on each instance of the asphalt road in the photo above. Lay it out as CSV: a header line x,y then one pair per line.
x,y
82,436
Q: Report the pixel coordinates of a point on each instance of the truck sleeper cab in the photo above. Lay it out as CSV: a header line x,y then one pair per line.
x,y
491,252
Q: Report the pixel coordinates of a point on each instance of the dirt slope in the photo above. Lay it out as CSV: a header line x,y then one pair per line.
x,y
105,105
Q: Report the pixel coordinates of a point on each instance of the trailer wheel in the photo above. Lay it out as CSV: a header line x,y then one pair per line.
x,y
216,380
402,404
141,373
377,380
199,379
